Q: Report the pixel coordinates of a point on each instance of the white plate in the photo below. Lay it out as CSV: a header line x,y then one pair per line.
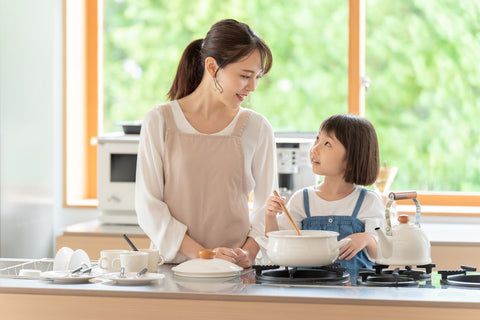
x,y
67,277
131,278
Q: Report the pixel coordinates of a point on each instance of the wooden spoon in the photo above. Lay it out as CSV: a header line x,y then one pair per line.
x,y
287,213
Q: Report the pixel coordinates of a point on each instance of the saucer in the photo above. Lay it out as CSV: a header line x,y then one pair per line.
x,y
131,278
67,277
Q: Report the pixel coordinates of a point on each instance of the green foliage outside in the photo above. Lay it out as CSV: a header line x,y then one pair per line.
x,y
424,99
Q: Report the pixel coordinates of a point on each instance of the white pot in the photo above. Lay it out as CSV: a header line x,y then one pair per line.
x,y
313,248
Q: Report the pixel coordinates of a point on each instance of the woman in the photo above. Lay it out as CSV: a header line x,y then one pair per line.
x,y
201,154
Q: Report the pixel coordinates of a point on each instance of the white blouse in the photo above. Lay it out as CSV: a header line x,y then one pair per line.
x,y
154,217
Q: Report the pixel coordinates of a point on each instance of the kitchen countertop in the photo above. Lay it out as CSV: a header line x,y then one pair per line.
x,y
234,298
245,288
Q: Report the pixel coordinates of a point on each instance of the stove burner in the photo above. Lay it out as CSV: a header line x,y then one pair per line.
x,y
332,274
387,281
460,277
393,278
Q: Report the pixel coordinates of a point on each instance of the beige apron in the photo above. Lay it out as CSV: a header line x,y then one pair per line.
x,y
205,186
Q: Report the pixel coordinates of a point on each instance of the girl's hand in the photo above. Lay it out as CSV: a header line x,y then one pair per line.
x,y
274,206
359,241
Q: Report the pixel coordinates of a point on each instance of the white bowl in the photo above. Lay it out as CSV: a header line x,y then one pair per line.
x,y
62,258
30,273
78,258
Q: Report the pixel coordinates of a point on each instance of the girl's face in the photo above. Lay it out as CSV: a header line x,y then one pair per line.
x,y
328,155
239,79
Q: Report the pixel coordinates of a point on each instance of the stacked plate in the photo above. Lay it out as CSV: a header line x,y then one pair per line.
x,y
207,268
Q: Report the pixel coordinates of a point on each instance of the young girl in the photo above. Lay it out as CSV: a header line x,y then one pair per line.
x,y
346,153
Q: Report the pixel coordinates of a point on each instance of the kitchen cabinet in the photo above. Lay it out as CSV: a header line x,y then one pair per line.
x,y
94,237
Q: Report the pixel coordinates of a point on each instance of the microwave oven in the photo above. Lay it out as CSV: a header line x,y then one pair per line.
x,y
117,163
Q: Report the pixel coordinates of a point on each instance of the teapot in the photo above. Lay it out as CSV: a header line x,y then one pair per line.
x,y
404,244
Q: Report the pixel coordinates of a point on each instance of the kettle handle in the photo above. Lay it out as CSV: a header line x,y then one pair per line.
x,y
392,196
402,195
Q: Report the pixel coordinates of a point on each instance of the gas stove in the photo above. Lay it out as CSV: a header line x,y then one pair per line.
x,y
379,276
326,275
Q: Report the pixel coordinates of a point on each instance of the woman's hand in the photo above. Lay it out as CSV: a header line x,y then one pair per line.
x,y
359,242
243,260
226,254
238,256
243,257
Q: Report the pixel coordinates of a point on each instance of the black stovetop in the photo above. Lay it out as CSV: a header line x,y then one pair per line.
x,y
378,276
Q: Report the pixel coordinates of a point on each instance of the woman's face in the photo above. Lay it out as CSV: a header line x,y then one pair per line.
x,y
239,79
328,155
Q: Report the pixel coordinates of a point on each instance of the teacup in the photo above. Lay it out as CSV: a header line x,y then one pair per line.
x,y
155,259
133,261
110,260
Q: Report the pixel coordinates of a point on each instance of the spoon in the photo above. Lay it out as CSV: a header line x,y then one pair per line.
x,y
130,243
141,272
287,214
122,273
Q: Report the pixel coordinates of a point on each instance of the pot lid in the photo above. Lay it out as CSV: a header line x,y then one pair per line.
x,y
207,268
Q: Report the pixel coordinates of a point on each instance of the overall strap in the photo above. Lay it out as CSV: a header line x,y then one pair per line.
x,y
169,119
241,122
306,205
359,202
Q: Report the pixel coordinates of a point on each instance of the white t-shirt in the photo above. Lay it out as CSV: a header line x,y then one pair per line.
x,y
153,214
372,211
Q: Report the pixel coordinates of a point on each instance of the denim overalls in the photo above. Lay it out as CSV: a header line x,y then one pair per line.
x,y
345,225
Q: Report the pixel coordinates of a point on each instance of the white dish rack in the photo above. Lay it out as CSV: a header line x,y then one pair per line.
x,y
10,268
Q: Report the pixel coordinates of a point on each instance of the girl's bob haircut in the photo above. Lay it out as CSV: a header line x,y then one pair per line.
x,y
359,138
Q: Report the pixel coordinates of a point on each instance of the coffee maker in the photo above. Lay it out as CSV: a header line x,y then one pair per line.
x,y
293,161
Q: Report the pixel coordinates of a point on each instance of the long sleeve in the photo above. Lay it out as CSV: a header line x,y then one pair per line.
x,y
264,173
153,214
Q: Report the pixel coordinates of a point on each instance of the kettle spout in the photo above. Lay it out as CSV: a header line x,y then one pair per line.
x,y
385,244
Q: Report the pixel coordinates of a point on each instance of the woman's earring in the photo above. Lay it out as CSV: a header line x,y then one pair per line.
x,y
217,85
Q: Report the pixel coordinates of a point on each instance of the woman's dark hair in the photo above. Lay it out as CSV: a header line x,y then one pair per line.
x,y
227,41
359,138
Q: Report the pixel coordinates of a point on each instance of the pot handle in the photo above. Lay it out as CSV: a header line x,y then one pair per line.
x,y
342,242
262,241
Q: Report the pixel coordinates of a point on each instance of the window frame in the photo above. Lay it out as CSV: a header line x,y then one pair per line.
x,y
89,14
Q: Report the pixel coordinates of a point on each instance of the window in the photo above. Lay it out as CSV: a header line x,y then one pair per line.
x,y
318,66
143,42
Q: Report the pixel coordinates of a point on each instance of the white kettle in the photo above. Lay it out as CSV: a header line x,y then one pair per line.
x,y
404,244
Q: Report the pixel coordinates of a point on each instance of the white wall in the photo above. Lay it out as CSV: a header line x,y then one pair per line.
x,y
31,212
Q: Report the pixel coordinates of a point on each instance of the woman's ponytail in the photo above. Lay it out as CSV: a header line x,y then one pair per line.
x,y
189,72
